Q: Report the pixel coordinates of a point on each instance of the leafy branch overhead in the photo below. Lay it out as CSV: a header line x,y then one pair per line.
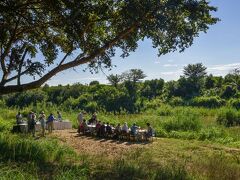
x,y
42,38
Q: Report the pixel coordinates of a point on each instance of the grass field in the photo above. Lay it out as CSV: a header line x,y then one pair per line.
x,y
190,145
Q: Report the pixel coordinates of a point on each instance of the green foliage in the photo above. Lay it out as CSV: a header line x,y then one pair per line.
x,y
176,101
182,121
211,133
235,103
26,98
91,32
210,102
228,91
228,117
24,148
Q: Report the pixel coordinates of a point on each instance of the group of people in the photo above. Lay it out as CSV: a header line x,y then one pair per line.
x,y
32,120
103,129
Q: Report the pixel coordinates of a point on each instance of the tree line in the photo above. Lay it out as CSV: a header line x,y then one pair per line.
x,y
129,92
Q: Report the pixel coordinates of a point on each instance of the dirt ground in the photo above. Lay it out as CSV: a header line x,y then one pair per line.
x,y
94,145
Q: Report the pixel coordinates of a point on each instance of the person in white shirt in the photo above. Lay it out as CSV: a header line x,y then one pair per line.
x,y
80,118
125,128
19,118
59,115
42,119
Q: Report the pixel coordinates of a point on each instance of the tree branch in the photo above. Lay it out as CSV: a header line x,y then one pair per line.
x,y
20,66
75,62
6,51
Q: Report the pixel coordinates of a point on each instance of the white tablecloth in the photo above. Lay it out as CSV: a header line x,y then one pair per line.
x,y
57,125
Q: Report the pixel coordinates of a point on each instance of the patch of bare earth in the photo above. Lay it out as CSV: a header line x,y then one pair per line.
x,y
94,145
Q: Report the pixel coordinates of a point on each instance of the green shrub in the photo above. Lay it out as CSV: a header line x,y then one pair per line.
x,y
228,117
153,104
235,103
164,110
176,101
210,102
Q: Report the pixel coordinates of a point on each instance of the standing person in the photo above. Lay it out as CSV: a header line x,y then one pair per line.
x,y
59,116
42,119
19,118
31,123
80,118
50,122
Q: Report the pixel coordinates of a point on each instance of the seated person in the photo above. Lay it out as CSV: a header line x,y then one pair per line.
x,y
103,130
134,129
108,129
19,118
117,131
83,127
125,128
98,126
149,132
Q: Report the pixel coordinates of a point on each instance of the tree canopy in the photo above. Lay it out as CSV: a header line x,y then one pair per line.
x,y
69,33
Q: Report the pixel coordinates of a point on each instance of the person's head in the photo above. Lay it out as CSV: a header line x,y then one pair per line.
x,y
19,112
51,114
148,124
119,124
125,123
58,112
107,123
134,124
84,120
42,112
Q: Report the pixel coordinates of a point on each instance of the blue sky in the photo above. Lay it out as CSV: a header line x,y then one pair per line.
x,y
218,50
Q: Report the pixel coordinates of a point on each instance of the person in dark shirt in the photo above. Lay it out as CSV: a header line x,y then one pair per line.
x,y
149,132
103,130
31,123
50,122
108,129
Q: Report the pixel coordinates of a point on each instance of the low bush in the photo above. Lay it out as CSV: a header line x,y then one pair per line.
x,y
176,101
235,103
164,110
228,117
209,102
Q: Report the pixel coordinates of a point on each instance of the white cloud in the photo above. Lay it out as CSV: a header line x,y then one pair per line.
x,y
224,67
170,65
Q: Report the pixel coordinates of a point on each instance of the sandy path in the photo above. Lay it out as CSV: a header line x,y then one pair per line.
x,y
93,145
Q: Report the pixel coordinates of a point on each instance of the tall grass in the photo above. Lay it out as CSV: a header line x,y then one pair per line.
x,y
13,147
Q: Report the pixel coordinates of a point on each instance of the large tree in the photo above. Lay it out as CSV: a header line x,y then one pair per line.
x,y
40,38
